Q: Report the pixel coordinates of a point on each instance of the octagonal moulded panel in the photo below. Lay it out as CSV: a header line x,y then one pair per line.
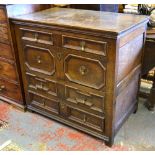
x,y
85,71
39,59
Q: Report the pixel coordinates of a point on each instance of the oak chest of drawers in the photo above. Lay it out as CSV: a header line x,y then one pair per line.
x,y
10,86
10,77
81,67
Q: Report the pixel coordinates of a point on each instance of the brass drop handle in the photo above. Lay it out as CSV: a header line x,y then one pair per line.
x,y
39,86
43,101
36,36
39,60
85,118
83,101
82,45
83,70
2,87
42,87
45,89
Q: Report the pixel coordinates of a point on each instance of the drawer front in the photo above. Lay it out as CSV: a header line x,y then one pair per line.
x,y
85,71
4,33
86,120
85,100
2,15
6,51
36,36
8,70
39,60
84,45
10,90
42,86
43,103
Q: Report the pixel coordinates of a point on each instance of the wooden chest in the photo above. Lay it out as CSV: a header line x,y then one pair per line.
x,y
10,86
10,79
81,67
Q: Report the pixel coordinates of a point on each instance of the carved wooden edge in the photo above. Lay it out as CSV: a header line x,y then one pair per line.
x,y
107,34
66,29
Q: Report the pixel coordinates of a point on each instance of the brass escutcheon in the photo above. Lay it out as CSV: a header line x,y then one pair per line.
x,y
36,36
83,70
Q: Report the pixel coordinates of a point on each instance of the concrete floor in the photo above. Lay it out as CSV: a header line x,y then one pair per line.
x,y
31,131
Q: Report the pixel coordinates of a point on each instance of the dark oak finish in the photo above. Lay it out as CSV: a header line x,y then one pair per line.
x,y
85,71
10,79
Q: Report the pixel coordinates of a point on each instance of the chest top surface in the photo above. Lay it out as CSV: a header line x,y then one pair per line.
x,y
85,19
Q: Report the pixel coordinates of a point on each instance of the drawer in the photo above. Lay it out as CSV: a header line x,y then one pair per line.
x,y
2,15
43,103
40,60
85,71
42,86
84,45
6,51
10,90
37,36
86,120
8,70
4,33
85,100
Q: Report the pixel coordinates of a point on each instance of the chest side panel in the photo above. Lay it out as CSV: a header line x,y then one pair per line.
x,y
129,63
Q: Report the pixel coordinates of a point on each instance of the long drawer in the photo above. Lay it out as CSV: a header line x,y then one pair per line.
x,y
10,90
8,70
